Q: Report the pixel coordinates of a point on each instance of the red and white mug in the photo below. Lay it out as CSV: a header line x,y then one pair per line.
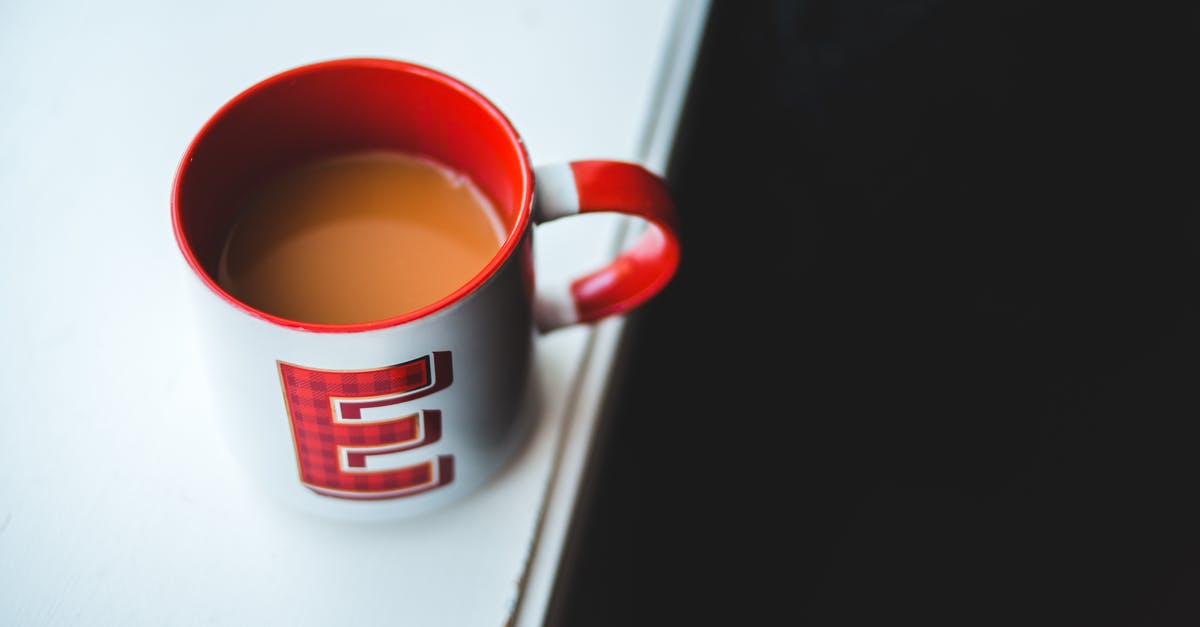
x,y
383,420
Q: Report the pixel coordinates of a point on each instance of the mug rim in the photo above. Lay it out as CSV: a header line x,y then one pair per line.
x,y
511,241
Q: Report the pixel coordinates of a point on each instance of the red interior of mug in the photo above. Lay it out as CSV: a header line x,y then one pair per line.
x,y
336,107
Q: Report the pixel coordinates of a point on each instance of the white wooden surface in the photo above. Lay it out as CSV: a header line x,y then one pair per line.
x,y
118,502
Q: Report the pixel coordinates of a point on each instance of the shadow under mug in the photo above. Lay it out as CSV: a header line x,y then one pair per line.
x,y
385,419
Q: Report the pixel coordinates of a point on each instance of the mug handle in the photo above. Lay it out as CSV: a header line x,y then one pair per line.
x,y
633,276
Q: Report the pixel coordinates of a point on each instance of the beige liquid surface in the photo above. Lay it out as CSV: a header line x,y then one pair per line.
x,y
358,238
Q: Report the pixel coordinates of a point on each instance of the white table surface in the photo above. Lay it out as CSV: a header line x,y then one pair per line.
x,y
119,504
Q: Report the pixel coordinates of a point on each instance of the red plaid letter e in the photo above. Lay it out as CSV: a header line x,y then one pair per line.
x,y
353,435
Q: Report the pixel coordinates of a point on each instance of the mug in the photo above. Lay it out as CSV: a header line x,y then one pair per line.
x,y
385,419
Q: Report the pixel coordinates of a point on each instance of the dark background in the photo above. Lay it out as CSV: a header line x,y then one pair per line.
x,y
932,352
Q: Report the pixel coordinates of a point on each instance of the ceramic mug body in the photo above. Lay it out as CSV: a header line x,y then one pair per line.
x,y
390,418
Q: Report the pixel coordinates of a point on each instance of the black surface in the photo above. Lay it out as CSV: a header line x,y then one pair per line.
x,y
932,353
